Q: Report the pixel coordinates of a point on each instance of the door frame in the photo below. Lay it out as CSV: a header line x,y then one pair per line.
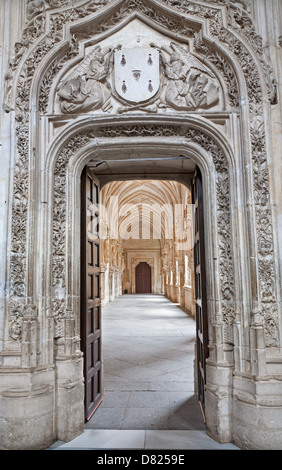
x,y
143,262
134,263
108,147
201,323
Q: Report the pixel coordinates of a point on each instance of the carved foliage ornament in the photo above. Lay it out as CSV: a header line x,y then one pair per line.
x,y
267,276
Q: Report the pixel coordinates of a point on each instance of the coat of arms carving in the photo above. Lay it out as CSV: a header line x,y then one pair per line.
x,y
148,78
136,74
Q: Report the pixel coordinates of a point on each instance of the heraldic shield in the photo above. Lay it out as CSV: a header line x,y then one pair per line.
x,y
137,74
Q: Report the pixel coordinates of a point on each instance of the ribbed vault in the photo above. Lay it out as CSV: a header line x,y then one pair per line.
x,y
146,207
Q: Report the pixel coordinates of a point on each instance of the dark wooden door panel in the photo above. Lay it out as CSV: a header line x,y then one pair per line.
x,y
90,291
200,287
143,278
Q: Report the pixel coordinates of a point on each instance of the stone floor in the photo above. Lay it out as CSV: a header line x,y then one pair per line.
x,y
149,400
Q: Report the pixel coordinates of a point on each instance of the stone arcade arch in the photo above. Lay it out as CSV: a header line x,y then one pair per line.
x,y
41,378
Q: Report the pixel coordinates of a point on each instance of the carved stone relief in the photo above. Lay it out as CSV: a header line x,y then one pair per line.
x,y
90,91
187,82
238,19
56,32
163,77
261,190
59,235
34,8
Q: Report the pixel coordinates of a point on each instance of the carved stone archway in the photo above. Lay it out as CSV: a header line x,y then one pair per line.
x,y
214,164
228,143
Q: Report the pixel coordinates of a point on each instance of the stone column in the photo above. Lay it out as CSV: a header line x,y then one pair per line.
x,y
103,268
112,284
181,285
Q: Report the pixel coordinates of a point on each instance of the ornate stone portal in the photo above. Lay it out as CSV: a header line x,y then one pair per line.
x,y
93,81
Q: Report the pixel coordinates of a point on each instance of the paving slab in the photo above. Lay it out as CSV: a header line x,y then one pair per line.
x,y
93,439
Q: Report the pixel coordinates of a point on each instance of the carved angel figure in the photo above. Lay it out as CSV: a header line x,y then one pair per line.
x,y
187,84
90,90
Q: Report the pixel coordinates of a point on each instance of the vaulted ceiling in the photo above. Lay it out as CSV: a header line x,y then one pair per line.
x,y
144,207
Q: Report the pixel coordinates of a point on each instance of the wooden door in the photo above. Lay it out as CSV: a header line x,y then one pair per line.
x,y
90,291
143,278
200,287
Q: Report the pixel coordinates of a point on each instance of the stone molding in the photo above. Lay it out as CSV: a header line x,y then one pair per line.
x,y
192,136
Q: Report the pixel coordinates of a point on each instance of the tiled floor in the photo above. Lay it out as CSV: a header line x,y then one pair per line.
x,y
149,401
